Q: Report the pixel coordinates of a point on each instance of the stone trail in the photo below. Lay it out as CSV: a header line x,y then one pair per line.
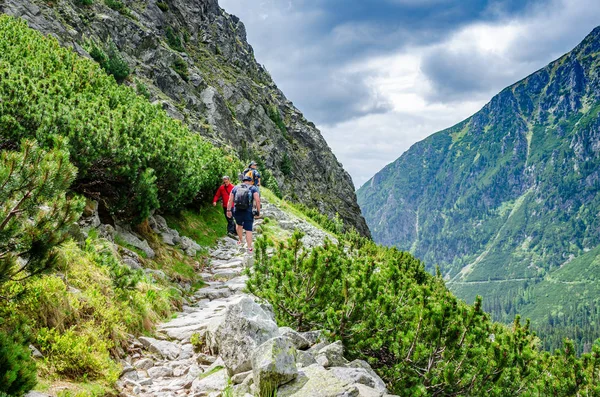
x,y
242,349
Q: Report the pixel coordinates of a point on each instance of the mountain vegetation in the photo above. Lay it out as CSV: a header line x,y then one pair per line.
x,y
506,201
388,310
192,59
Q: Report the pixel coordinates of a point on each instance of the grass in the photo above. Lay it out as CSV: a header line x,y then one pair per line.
x,y
205,226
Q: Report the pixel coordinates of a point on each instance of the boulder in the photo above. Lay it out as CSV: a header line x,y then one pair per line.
x,y
313,337
213,381
377,382
165,349
160,372
316,381
366,391
125,233
273,364
189,246
244,327
304,359
331,355
359,375
299,342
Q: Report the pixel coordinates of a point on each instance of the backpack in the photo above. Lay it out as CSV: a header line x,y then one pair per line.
x,y
243,197
249,172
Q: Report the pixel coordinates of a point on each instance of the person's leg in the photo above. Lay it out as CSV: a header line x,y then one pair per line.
x,y
248,226
230,224
240,233
239,228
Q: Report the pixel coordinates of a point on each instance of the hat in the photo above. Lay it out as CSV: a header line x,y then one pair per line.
x,y
225,177
247,178
252,163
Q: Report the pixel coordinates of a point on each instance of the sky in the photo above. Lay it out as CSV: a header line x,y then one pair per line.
x,y
377,76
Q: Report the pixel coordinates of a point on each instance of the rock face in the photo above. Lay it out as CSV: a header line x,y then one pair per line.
x,y
192,58
508,196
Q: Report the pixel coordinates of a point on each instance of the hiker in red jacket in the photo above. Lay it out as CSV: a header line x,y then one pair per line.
x,y
223,194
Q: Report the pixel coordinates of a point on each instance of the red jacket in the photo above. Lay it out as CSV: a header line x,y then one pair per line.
x,y
223,193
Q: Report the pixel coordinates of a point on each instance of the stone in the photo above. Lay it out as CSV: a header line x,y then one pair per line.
x,y
304,359
167,350
216,381
144,363
35,352
244,327
316,381
273,364
240,378
125,233
205,359
299,342
160,372
377,382
331,355
187,351
189,246
359,375
313,337
366,391
36,394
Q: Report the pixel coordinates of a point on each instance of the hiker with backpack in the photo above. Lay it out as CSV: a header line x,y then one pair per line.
x,y
223,194
241,200
253,173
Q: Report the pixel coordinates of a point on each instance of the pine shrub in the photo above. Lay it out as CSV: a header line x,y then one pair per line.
x,y
127,150
386,309
17,368
35,213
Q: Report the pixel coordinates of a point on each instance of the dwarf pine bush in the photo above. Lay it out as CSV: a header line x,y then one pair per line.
x,y
423,341
126,149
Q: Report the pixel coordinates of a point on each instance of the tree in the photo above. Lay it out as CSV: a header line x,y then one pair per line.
x,y
35,212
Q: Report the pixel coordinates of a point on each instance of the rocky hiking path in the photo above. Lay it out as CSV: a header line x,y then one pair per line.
x,y
240,350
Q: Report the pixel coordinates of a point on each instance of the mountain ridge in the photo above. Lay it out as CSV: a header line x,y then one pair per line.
x,y
509,193
192,58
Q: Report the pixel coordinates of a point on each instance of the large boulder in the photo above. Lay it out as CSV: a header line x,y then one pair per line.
x,y
244,327
316,381
273,364
211,381
374,380
128,236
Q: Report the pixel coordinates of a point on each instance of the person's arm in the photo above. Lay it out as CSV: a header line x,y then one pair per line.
x,y
257,200
230,202
217,196
257,177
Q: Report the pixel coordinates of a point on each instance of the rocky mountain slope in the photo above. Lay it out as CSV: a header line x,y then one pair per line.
x,y
508,196
192,58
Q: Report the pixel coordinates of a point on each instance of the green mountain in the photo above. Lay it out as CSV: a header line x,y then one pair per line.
x,y
507,198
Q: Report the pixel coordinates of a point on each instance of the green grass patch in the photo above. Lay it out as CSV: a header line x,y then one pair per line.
x,y
205,226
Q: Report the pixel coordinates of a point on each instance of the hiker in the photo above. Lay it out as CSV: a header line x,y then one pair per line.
x,y
241,201
223,194
253,173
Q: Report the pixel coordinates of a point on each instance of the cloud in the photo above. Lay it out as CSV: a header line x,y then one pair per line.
x,y
378,76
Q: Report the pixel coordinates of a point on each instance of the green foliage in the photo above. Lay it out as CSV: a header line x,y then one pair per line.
x,y
204,225
81,322
164,7
173,39
17,368
127,150
275,116
111,61
181,67
118,6
286,165
142,90
386,309
85,2
35,213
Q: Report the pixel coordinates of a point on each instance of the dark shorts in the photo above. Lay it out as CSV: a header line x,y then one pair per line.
x,y
244,218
